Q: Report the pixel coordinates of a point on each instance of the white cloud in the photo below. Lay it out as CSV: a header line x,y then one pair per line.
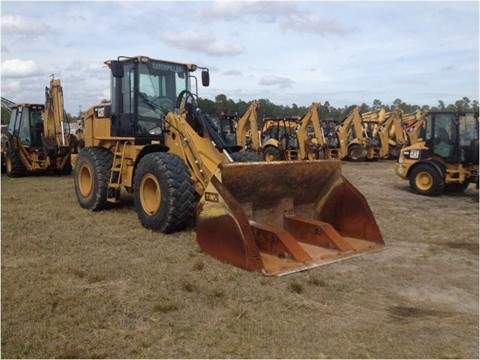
x,y
233,73
17,68
310,23
19,25
274,80
236,10
202,42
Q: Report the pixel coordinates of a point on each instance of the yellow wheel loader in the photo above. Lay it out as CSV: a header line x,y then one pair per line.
x,y
39,138
446,159
152,140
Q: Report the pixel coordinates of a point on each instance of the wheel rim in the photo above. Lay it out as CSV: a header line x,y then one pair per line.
x,y
150,194
424,181
85,180
9,164
269,157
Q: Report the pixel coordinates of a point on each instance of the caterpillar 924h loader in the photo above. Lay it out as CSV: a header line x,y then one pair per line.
x,y
38,136
153,141
446,158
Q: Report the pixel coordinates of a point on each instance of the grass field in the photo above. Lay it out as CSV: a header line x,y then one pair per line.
x,y
77,284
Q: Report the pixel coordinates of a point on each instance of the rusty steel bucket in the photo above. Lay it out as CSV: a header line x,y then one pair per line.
x,y
282,217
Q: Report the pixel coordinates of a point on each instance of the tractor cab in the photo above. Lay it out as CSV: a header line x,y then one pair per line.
x,y
143,91
26,124
453,137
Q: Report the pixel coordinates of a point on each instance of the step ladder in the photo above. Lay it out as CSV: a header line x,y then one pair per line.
x,y
115,182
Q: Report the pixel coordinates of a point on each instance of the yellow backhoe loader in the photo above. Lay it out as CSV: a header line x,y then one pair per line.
x,y
152,140
39,138
352,141
390,135
446,159
295,139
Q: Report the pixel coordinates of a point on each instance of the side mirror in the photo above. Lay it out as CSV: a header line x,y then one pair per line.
x,y
117,68
205,78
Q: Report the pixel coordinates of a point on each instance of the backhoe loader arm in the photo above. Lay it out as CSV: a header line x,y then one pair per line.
x,y
311,117
249,122
353,120
392,123
413,124
55,122
375,116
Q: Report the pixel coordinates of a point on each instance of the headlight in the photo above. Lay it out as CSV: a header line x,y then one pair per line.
x,y
155,131
400,159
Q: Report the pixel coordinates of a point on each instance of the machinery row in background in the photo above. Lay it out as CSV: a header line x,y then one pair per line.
x,y
266,197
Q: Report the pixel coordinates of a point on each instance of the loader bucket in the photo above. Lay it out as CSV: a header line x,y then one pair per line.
x,y
282,217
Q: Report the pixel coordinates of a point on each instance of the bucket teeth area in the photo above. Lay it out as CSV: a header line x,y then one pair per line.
x,y
307,215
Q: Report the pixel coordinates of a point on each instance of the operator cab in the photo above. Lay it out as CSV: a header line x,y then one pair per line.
x,y
453,137
143,91
26,124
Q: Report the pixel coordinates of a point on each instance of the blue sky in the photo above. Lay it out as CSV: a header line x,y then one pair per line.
x,y
342,52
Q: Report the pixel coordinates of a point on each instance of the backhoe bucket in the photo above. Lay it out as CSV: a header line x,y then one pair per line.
x,y
282,217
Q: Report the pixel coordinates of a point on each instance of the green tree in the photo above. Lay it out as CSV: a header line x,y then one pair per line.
x,y
377,105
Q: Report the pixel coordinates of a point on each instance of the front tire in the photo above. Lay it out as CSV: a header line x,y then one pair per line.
x,y
272,154
426,180
13,164
357,153
246,156
92,174
163,192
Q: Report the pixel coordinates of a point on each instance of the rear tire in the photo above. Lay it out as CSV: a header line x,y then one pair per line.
x,y
246,156
426,180
92,174
272,154
13,164
163,192
357,153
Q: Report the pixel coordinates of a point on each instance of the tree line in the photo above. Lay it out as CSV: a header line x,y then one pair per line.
x,y
327,112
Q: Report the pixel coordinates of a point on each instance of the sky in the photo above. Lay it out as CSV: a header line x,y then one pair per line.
x,y
289,52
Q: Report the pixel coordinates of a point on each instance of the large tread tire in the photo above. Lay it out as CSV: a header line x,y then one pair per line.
x,y
426,180
357,153
91,177
273,154
246,156
13,164
163,192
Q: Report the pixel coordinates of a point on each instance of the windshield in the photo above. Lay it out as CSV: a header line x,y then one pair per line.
x,y
159,85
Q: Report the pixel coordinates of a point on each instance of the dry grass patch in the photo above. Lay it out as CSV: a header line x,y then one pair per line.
x,y
78,284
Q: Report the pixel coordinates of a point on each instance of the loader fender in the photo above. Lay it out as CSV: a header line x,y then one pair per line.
x,y
437,165
282,217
